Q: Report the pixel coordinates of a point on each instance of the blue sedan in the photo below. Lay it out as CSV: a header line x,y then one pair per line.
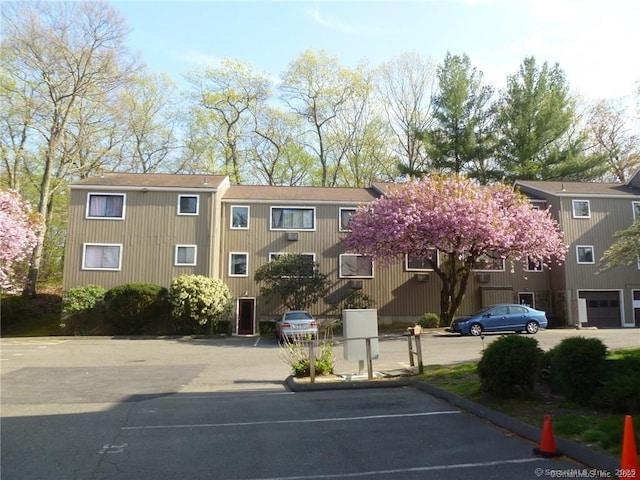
x,y
501,318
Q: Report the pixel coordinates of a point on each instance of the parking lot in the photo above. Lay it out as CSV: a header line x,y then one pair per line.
x,y
97,408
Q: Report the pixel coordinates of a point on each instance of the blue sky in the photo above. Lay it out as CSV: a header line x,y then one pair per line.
x,y
596,42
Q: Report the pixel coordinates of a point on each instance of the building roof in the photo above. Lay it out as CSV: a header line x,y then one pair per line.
x,y
586,189
152,180
264,193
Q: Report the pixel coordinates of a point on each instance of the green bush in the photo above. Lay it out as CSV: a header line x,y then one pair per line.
x,y
509,366
620,390
197,300
324,363
82,299
575,365
429,320
357,299
136,308
267,327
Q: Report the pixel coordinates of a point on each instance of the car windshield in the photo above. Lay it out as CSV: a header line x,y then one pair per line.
x,y
298,316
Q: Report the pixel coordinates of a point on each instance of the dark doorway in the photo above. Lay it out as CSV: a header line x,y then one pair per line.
x,y
526,298
246,311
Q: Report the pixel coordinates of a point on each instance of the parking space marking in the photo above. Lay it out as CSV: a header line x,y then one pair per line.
x,y
396,471
288,422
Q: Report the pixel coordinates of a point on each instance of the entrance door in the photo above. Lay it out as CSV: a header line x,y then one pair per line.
x,y
527,299
246,312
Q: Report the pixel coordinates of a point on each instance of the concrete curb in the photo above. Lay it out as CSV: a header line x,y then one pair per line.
x,y
568,448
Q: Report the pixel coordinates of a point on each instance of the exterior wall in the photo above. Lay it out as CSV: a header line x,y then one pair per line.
x,y
148,234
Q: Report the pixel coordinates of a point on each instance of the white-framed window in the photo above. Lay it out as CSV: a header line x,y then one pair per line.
x,y
101,256
581,208
534,265
489,262
239,217
185,255
293,218
188,204
238,264
420,264
636,210
110,206
355,266
584,254
344,218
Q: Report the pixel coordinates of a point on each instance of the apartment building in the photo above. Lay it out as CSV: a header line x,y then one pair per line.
x,y
127,228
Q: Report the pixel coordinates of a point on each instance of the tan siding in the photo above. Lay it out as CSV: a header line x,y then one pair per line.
x,y
149,233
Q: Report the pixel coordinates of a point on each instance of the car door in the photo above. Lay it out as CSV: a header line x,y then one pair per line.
x,y
495,319
518,317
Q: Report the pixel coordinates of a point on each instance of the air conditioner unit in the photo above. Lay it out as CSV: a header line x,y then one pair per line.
x,y
355,284
421,277
292,236
483,277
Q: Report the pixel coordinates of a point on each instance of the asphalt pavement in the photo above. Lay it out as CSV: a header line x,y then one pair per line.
x,y
96,409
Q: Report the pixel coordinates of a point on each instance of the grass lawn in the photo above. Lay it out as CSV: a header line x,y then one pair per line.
x,y
598,430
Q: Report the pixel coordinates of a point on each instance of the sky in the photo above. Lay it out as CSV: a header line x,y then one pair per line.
x,y
595,42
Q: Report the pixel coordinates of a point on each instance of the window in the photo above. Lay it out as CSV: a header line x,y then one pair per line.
x,y
581,209
185,255
97,256
585,254
418,264
345,216
188,204
284,218
534,265
106,205
239,217
489,262
238,264
636,210
355,266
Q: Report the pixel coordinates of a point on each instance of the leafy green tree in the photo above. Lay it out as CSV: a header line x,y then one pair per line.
x,y
537,127
224,103
59,58
404,89
294,279
625,250
319,91
460,141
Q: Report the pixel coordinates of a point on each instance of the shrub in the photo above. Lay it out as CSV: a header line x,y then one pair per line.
x,y
82,299
357,299
575,363
429,320
197,300
266,327
509,366
134,308
296,354
620,392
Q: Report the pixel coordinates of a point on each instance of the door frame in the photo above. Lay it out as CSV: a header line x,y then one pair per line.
x,y
251,301
521,295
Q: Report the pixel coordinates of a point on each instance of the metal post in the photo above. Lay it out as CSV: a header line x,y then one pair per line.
x,y
312,363
369,362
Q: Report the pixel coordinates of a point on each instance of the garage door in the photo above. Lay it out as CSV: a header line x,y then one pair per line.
x,y
603,309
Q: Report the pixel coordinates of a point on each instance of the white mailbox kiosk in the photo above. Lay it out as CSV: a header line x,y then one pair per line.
x,y
358,324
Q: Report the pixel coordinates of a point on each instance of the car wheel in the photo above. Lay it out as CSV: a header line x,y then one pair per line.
x,y
532,327
475,329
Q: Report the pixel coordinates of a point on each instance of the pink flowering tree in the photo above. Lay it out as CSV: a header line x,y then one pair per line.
x,y
458,220
19,230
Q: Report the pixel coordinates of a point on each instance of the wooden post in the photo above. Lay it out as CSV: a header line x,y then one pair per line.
x,y
369,362
411,361
419,353
312,363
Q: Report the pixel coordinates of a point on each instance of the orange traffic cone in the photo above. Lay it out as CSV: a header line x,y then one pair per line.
x,y
547,447
629,463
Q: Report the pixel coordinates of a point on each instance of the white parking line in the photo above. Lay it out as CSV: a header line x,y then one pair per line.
x,y
403,470
281,422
